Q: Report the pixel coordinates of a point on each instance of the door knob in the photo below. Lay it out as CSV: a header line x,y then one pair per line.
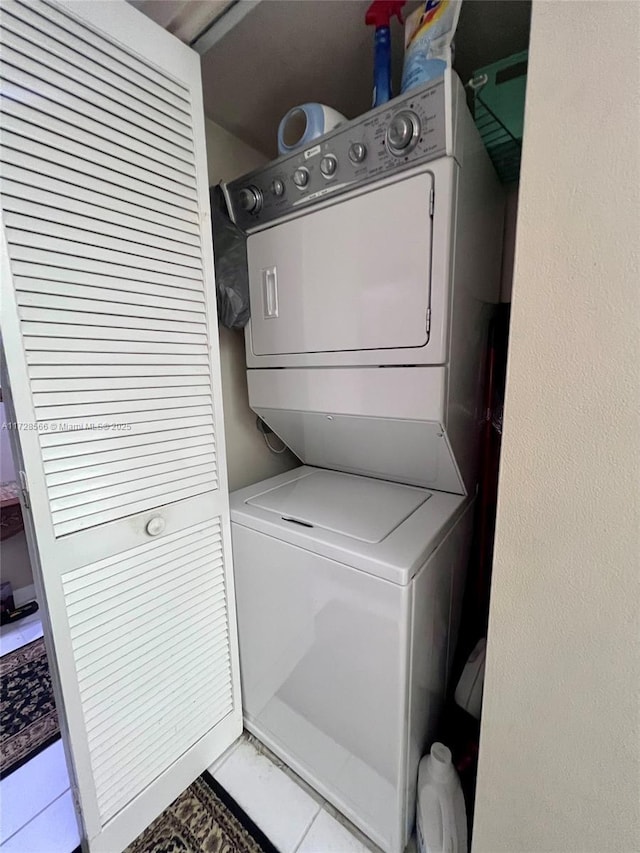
x,y
155,525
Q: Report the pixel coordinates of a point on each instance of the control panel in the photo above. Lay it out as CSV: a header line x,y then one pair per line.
x,y
402,133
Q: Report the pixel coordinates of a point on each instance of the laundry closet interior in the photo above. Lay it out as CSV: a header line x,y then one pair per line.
x,y
280,533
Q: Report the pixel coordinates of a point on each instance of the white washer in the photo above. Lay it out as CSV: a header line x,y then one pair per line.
x,y
347,592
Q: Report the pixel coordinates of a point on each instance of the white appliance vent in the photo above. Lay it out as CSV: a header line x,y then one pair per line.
x,y
132,653
101,219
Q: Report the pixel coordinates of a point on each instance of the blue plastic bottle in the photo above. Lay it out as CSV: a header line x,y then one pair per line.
x,y
379,14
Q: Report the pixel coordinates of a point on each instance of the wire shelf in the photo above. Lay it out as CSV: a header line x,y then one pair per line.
x,y
504,148
497,102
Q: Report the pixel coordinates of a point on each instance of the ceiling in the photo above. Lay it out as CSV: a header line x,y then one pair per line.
x,y
186,19
288,52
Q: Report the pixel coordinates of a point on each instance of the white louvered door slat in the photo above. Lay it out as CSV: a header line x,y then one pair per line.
x,y
110,343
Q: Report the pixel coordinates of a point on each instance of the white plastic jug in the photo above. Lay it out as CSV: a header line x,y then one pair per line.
x,y
441,819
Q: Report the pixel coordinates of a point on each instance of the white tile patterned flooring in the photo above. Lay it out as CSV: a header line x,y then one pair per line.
x,y
36,809
295,818
20,633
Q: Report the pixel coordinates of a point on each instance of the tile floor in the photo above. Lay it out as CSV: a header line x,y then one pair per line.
x,y
37,810
293,816
20,633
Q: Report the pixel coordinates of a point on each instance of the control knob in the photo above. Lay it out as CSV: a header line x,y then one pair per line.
x,y
301,177
403,132
250,199
357,152
328,165
277,187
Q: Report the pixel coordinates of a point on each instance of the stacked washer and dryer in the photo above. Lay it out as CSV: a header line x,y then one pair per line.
x,y
374,261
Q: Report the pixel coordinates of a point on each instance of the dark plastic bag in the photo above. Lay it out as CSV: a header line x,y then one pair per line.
x,y
232,274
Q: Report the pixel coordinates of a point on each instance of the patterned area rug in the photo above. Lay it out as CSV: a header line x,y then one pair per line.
x,y
28,717
204,819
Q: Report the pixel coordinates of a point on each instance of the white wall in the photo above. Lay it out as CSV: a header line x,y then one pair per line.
x,y
560,742
7,468
15,565
249,459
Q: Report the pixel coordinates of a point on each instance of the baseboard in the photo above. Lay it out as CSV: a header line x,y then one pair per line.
x,y
24,595
217,764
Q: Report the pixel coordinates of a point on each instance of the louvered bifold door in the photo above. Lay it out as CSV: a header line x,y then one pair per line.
x,y
110,340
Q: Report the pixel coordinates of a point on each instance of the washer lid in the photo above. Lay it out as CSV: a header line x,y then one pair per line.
x,y
357,507
387,530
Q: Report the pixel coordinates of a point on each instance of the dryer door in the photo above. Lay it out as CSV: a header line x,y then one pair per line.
x,y
354,276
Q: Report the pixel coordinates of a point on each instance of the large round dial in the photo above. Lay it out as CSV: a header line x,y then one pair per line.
x,y
250,199
403,132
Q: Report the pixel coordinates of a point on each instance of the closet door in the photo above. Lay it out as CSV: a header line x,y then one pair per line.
x,y
110,339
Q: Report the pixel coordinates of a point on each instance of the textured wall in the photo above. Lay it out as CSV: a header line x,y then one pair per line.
x,y
248,458
7,468
560,743
15,565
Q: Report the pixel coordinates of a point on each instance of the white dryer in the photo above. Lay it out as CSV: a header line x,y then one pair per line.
x,y
374,257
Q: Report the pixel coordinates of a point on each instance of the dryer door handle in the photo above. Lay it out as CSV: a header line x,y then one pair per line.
x,y
270,292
